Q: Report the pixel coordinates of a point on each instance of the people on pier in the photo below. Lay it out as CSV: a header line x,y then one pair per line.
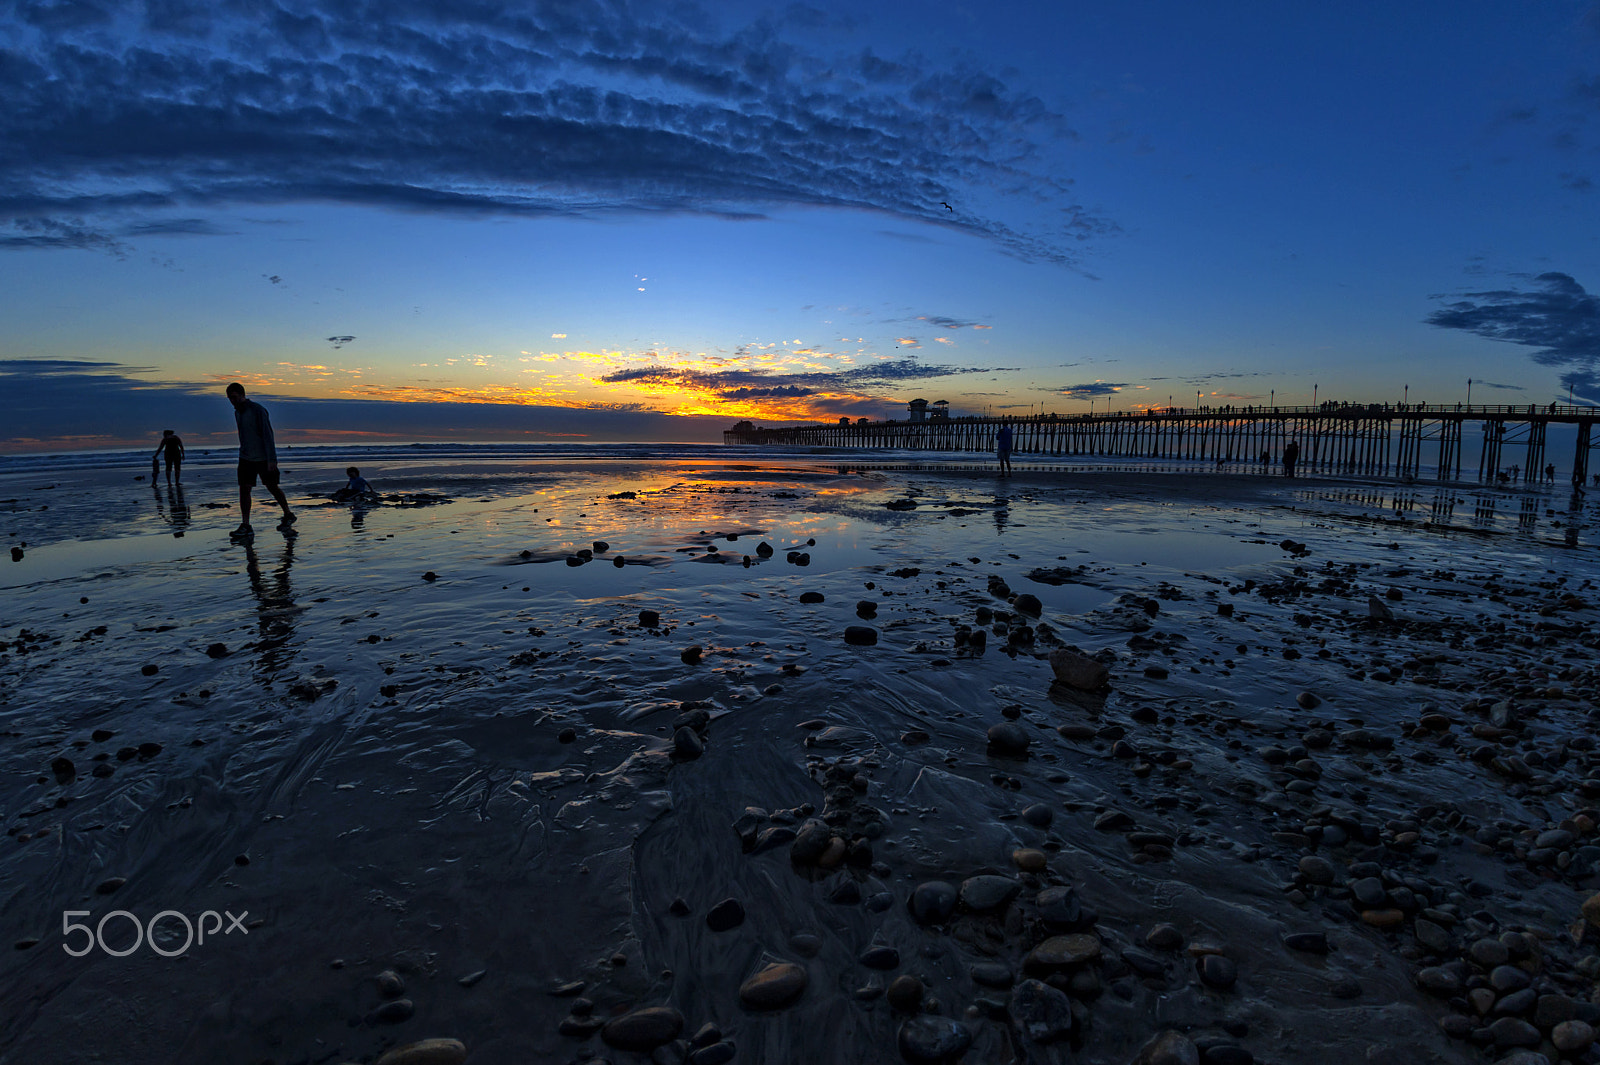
x,y
1291,456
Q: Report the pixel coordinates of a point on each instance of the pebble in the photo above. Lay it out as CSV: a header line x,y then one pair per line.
x,y
773,987
811,841
860,635
729,913
1077,671
1571,1037
687,743
811,597
1029,860
1431,936
1317,870
905,993
1218,972
1008,737
394,1011
1062,952
390,985
649,619
930,1040
1059,907
1044,1013
1164,937
1307,701
1513,1032
691,655
1368,891
881,957
427,1052
988,892
1038,815
932,902
644,1029
991,974
1169,1048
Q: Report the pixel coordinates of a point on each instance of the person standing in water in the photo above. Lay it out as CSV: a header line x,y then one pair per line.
x,y
1291,455
258,457
171,447
1002,443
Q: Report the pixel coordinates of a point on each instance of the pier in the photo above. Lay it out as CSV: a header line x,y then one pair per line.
x,y
1373,439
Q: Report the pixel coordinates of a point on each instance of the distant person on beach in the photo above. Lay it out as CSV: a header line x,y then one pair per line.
x,y
1002,443
1550,473
1266,458
258,457
356,488
1291,455
171,448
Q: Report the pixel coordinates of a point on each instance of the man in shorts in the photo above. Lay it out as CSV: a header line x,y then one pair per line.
x,y
258,457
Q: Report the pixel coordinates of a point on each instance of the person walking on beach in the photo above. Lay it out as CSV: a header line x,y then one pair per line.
x,y
1291,455
258,457
1003,449
171,448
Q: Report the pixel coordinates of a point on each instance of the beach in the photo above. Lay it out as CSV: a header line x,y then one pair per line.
x,y
1038,769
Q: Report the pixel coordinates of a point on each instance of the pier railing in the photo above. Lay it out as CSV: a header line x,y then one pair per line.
x,y
1335,437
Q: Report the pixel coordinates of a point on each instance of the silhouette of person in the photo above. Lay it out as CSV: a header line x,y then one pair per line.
x,y
170,448
258,457
1550,472
1291,456
1002,442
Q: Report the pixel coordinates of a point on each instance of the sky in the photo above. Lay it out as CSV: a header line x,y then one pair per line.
x,y
459,219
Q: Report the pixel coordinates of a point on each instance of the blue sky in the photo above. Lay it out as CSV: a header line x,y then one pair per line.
x,y
621,220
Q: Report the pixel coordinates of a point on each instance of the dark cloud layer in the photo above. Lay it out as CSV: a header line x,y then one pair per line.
x,y
1555,316
119,119
754,384
1094,388
82,403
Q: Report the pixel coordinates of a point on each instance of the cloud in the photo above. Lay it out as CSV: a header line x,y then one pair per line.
x,y
1555,316
945,322
727,383
1491,384
1096,388
131,120
340,341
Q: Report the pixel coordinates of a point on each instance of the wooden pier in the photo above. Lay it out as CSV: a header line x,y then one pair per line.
x,y
1375,439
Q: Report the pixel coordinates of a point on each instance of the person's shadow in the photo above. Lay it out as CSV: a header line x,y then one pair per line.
x,y
275,611
177,509
1002,512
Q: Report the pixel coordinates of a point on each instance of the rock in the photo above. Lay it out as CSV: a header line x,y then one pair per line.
x,y
811,841
991,974
930,1040
691,655
395,1011
1317,870
1572,1037
601,547
1044,1013
932,902
1062,952
1168,1048
1029,604
1307,701
430,576
1378,610
687,743
715,1054
427,1052
1113,821
1431,936
1008,738
860,635
1078,671
811,597
1489,953
1218,972
150,669
1513,1032
390,985
1368,892
644,1029
1029,860
866,609
773,987
1059,907
649,619
1164,937
881,957
905,994
988,892
1591,910
729,913
64,771
217,650
1437,980
1038,815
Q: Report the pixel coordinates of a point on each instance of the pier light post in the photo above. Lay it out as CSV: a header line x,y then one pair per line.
x,y
1469,393
1273,393
1313,395
1197,399
1407,395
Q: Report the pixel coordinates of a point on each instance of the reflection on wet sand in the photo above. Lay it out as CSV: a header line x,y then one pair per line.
x,y
176,511
276,611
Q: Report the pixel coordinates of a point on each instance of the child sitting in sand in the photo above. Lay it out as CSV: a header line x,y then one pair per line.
x,y
356,489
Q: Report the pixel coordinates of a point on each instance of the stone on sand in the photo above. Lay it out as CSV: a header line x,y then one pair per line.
x,y
1076,670
644,1029
1168,1048
427,1052
930,1040
773,987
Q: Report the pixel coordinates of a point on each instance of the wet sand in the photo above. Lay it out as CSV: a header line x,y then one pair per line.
x,y
494,806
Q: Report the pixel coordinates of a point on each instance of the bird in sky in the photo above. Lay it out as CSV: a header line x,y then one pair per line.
x,y
947,207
